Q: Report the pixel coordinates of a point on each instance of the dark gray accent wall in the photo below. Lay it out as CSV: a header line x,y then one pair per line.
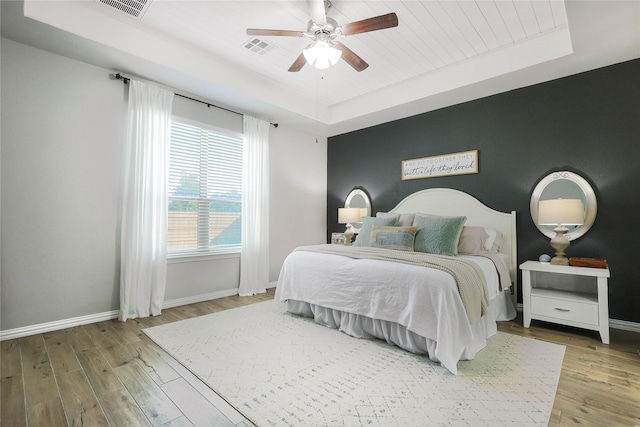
x,y
588,123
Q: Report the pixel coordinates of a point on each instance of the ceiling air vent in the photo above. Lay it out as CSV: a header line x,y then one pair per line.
x,y
135,8
258,46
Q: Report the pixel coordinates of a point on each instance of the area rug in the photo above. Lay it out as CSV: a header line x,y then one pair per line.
x,y
279,369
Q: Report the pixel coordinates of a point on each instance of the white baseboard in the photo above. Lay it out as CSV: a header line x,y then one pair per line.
x,y
624,325
41,328
613,323
199,298
100,317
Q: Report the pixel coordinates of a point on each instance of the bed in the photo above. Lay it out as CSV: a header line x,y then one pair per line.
x,y
412,299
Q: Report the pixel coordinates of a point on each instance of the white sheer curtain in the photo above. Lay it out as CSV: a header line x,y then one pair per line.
x,y
254,258
143,245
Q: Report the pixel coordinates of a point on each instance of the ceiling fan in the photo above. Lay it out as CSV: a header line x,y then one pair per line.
x,y
324,50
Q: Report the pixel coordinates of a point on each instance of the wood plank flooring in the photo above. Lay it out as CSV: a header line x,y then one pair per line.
x,y
110,374
599,384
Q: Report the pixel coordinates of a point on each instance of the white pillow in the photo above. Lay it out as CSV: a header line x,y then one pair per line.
x,y
492,244
472,240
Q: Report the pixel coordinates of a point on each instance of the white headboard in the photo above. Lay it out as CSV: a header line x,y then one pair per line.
x,y
449,202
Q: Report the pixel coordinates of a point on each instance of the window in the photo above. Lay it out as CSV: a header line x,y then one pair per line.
x,y
205,191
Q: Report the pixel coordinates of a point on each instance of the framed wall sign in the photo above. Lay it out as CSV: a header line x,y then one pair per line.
x,y
462,163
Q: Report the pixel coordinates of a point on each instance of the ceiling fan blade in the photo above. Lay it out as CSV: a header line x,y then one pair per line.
x,y
261,32
317,12
351,58
371,24
298,64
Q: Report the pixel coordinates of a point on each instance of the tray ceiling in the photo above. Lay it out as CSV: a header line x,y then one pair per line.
x,y
438,48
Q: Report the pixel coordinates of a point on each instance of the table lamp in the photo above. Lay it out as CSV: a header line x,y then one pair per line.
x,y
560,213
349,216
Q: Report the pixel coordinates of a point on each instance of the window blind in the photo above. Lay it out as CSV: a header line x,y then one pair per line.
x,y
205,191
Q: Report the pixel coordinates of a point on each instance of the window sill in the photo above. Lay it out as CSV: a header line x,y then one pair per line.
x,y
176,259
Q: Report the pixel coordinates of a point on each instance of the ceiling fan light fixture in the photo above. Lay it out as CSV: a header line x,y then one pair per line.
x,y
324,51
322,54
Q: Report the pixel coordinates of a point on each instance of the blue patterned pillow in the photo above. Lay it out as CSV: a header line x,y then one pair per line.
x,y
398,238
368,223
438,234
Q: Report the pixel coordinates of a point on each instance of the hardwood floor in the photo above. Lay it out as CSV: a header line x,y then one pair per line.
x,y
599,384
110,374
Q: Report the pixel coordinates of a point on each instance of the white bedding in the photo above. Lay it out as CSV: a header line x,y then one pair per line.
x,y
414,307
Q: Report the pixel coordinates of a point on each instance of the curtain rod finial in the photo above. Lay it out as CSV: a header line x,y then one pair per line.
x,y
124,79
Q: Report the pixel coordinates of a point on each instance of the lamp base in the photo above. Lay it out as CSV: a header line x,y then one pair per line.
x,y
560,243
559,260
349,235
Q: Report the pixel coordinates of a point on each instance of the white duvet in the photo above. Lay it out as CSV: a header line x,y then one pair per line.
x,y
424,301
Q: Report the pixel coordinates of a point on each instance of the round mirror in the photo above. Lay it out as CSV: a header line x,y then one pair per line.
x,y
565,185
358,199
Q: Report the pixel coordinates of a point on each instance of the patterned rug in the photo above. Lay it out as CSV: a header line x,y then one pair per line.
x,y
282,370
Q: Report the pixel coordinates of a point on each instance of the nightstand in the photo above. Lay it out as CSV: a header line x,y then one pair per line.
x,y
573,296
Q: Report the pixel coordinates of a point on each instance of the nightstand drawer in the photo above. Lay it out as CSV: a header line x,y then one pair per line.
x,y
574,308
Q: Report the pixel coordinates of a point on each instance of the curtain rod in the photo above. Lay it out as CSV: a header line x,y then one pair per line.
x,y
125,80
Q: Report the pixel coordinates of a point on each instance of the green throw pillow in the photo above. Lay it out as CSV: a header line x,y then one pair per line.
x,y
368,223
438,234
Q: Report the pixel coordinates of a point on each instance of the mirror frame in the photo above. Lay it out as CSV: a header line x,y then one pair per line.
x,y
358,192
590,197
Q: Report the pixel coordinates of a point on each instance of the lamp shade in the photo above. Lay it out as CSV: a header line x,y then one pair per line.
x,y
322,54
349,215
561,212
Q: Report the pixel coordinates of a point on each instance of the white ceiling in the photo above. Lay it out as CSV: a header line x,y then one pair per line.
x,y
441,53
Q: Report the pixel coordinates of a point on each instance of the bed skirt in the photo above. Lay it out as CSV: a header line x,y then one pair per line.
x,y
500,308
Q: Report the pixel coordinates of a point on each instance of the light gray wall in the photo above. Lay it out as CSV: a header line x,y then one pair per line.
x,y
298,191
61,132
62,127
